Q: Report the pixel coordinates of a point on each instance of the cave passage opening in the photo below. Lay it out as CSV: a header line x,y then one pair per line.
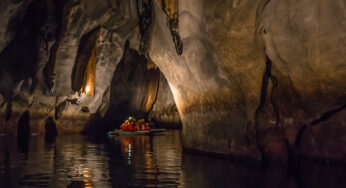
x,y
138,89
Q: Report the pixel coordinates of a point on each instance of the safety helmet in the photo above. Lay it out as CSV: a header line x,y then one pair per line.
x,y
132,118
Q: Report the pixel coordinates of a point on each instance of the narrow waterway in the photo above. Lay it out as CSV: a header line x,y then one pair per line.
x,y
143,161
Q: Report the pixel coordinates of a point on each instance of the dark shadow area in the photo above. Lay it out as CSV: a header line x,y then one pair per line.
x,y
19,60
23,132
77,184
50,130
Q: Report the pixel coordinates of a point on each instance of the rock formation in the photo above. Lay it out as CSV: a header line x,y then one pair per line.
x,y
164,112
259,79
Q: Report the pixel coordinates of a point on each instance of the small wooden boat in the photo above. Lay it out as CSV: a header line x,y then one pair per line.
x,y
153,131
121,132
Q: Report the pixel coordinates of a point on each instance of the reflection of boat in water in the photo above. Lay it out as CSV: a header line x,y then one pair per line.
x,y
150,132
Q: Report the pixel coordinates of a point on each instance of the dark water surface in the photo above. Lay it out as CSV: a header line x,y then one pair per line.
x,y
143,161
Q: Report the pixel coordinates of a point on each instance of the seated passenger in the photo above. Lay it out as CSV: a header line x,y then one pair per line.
x,y
123,126
137,127
147,127
130,126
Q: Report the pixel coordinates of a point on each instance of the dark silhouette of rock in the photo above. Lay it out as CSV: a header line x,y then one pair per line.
x,y
76,184
23,132
50,129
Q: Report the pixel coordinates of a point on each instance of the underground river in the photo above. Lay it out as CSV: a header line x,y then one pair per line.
x,y
144,161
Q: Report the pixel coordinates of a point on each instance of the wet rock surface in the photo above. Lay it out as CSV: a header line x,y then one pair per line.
x,y
261,79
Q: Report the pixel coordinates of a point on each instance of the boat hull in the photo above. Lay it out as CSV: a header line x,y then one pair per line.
x,y
151,132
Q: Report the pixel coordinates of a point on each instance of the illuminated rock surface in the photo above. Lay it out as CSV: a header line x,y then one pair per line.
x,y
258,79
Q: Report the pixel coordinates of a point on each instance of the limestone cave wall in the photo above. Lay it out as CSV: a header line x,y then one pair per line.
x,y
164,111
260,78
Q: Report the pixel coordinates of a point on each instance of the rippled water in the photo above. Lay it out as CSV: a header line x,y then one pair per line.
x,y
143,161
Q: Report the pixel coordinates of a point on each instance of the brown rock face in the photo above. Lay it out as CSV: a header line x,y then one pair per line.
x,y
164,112
305,47
260,78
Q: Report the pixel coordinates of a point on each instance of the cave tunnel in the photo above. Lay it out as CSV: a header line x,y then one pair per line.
x,y
253,82
138,89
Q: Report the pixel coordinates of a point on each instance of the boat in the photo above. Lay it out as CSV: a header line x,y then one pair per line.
x,y
121,132
153,131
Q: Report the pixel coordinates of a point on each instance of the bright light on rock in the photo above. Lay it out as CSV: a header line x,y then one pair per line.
x,y
87,89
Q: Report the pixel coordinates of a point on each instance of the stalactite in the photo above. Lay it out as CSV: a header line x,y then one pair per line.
x,y
151,94
69,11
170,7
144,8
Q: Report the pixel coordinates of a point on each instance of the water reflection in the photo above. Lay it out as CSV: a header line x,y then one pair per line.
x,y
147,161
143,161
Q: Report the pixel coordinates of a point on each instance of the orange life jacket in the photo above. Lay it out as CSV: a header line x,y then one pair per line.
x,y
130,127
123,127
137,127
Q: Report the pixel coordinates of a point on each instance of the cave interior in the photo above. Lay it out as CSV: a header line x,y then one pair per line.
x,y
262,79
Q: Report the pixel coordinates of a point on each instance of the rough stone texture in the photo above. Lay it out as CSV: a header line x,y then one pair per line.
x,y
254,76
305,42
165,112
109,51
24,79
80,18
11,13
211,104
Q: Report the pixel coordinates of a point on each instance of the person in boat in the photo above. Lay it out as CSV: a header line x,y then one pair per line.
x,y
138,126
123,126
146,127
142,125
131,124
128,125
